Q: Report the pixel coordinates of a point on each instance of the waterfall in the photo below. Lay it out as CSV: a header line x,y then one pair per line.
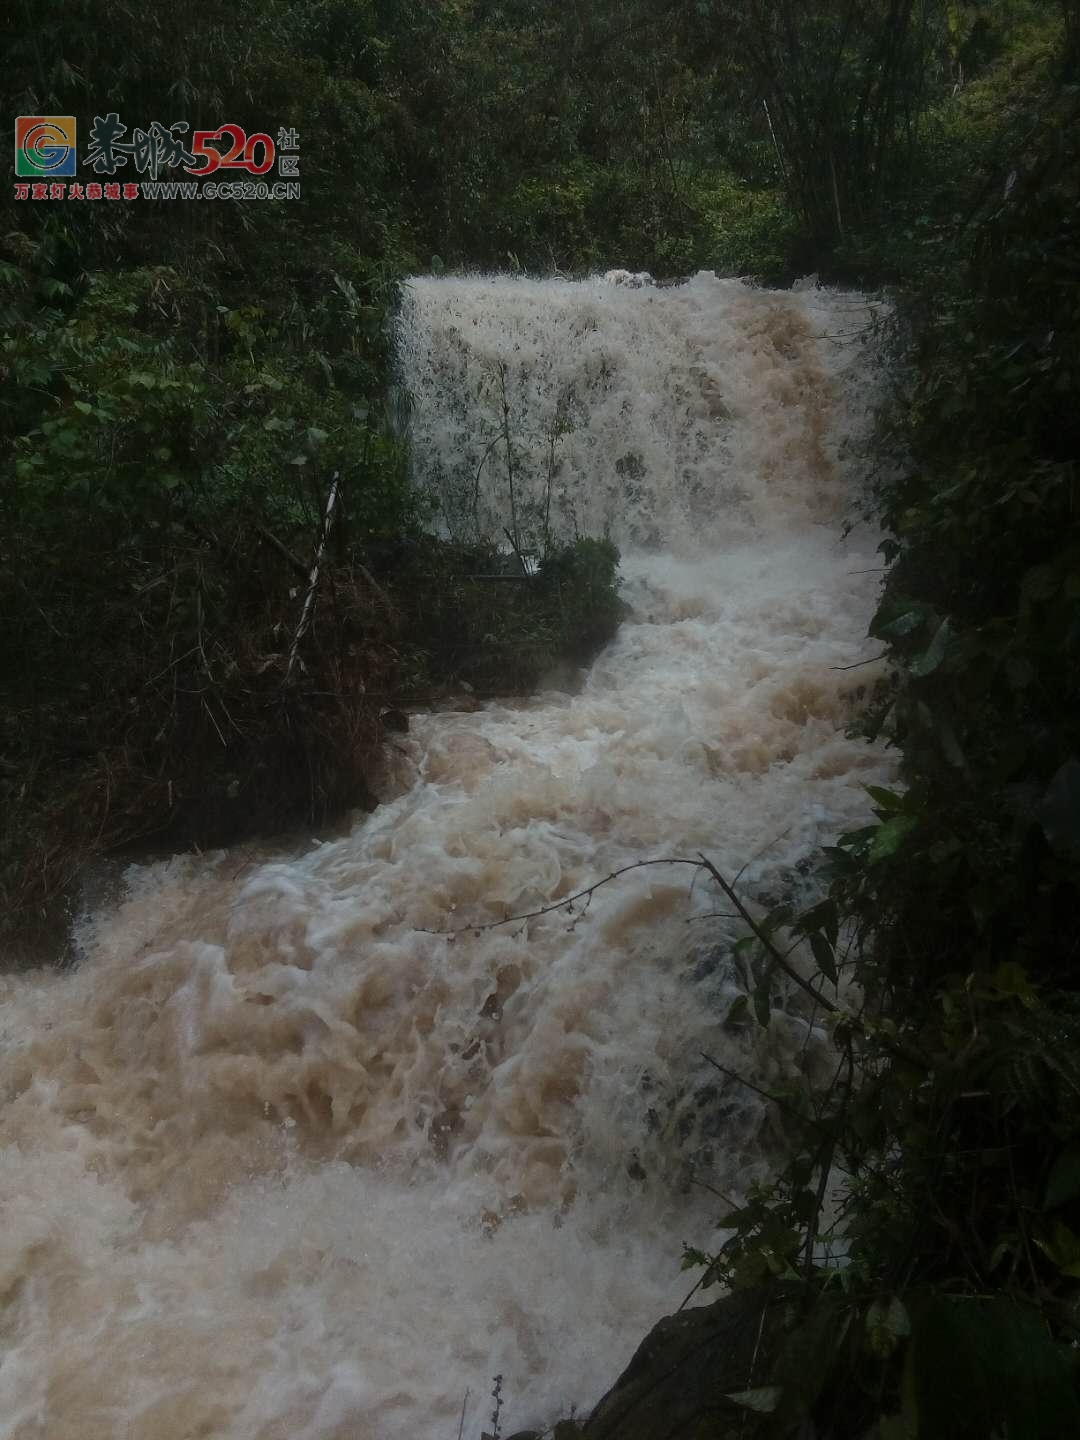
x,y
282,1160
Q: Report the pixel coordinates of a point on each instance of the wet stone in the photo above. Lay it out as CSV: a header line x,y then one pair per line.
x,y
678,1382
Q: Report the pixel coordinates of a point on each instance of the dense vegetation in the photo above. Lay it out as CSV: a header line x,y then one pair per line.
x,y
181,384
944,1298
179,389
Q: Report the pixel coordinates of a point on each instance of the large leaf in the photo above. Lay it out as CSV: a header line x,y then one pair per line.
x,y
887,800
763,1400
984,1368
1058,812
887,1323
823,954
889,837
894,620
1062,1248
1064,1180
823,916
932,656
762,1003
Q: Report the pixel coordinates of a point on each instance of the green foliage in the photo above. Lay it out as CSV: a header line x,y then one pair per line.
x,y
181,382
978,1366
470,616
751,231
947,1277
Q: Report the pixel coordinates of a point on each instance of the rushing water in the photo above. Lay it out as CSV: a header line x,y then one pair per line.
x,y
280,1163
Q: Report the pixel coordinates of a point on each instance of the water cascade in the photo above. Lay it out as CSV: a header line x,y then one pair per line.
x,y
279,1161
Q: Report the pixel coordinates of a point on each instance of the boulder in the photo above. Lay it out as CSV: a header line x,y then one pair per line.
x,y
676,1385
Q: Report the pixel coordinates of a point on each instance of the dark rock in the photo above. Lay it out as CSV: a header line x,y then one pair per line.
x,y
395,720
677,1383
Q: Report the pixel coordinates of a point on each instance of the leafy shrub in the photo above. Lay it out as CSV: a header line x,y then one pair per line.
x,y
944,1297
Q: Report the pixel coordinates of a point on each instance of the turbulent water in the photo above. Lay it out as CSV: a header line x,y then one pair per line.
x,y
280,1162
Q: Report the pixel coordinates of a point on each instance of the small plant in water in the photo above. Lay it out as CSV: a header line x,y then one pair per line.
x,y
496,1410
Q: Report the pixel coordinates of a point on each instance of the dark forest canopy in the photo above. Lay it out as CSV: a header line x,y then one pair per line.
x,y
529,133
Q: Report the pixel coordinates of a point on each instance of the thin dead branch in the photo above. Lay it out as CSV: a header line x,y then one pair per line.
x,y
313,580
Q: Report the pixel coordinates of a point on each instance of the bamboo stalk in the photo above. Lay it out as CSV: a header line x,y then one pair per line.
x,y
313,581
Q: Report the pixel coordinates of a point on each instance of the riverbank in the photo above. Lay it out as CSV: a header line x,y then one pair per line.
x,y
216,689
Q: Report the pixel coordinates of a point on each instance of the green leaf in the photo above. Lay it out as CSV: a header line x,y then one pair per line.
x,y
932,656
317,436
902,624
762,1004
950,745
897,618
823,954
777,917
83,408
890,836
764,1400
693,1258
1011,980
823,916
749,1270
1062,1249
884,799
887,1323
299,460
1064,1180
739,1012
856,839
